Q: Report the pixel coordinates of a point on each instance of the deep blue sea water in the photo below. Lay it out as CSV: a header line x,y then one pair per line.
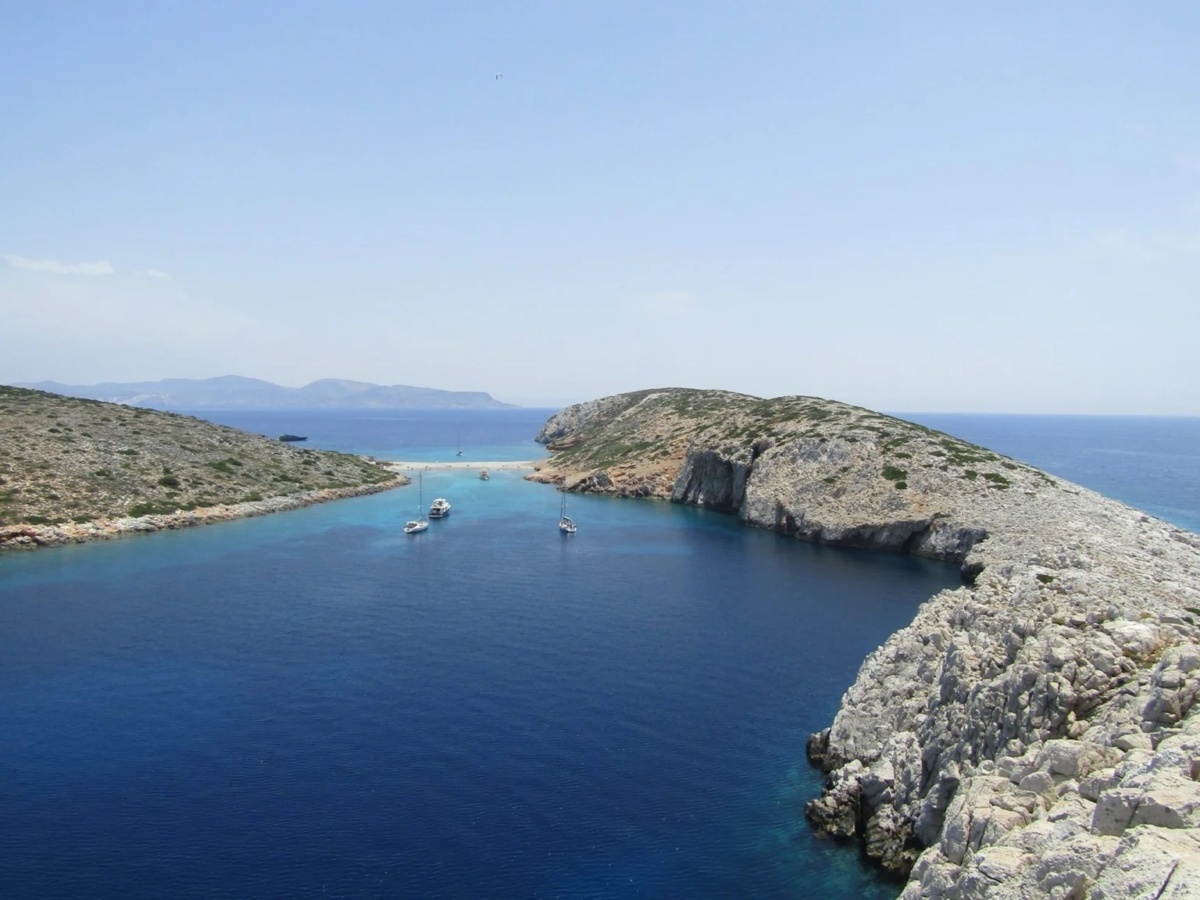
x,y
314,704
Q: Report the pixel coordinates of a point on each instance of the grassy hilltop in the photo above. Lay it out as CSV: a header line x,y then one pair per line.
x,y
68,460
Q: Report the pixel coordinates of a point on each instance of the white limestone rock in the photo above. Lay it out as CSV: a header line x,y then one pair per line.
x,y
1151,863
1036,729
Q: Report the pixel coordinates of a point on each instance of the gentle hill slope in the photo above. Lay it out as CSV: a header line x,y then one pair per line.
x,y
1034,733
67,461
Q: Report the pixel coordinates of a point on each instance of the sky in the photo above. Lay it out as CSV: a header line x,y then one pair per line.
x,y
958,207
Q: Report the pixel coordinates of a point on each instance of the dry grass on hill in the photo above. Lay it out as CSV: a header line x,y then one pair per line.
x,y
64,459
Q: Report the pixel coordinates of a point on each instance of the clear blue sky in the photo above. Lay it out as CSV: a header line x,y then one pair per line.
x,y
955,206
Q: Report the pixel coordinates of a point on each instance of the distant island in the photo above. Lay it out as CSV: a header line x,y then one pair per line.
x,y
236,392
1034,733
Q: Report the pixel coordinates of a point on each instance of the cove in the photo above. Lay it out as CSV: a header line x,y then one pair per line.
x,y
313,703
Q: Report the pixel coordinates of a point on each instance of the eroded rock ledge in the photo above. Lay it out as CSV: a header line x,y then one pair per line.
x,y
1033,733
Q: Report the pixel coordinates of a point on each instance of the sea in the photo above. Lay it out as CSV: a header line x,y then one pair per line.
x,y
313,704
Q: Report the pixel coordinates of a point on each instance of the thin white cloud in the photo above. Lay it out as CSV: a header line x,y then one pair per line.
x,y
157,273
125,317
54,267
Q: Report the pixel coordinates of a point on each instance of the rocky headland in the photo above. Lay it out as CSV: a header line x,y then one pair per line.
x,y
1034,733
73,470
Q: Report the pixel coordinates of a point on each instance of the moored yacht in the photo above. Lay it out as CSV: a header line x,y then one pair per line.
x,y
565,524
420,523
440,508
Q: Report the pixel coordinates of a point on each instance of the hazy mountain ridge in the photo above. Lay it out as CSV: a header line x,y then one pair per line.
x,y
238,392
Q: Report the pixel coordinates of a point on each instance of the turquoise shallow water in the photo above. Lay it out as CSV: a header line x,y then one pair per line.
x,y
312,703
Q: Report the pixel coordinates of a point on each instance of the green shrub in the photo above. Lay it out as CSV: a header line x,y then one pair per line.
x,y
170,481
150,509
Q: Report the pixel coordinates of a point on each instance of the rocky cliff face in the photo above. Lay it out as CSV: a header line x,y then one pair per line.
x,y
1034,733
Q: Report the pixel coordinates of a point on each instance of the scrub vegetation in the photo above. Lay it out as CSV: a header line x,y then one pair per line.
x,y
659,426
64,459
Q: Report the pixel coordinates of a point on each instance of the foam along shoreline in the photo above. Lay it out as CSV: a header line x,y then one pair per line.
x,y
459,464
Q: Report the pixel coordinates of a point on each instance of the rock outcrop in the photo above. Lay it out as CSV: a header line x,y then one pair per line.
x,y
1033,733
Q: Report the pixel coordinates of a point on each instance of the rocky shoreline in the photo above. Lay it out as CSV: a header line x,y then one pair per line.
x,y
1034,733
31,537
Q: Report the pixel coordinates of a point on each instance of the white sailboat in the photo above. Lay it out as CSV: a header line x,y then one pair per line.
x,y
420,523
565,524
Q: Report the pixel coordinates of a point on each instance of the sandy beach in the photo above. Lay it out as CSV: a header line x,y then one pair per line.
x,y
461,464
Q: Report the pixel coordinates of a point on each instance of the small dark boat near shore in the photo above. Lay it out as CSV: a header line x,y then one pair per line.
x,y
293,437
